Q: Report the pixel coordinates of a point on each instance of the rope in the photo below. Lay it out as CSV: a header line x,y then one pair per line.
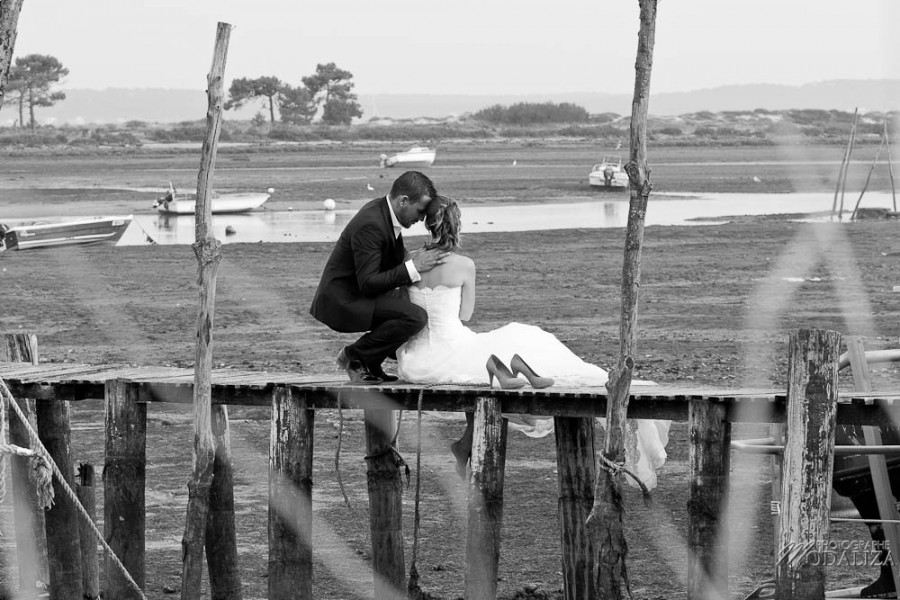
x,y
616,468
41,472
42,451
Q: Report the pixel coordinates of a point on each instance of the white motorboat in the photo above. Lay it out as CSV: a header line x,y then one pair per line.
x,y
608,173
173,203
96,230
414,158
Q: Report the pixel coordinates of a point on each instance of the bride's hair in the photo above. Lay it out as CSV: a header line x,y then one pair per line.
x,y
444,225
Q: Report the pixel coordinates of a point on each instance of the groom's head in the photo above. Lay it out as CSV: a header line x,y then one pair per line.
x,y
411,195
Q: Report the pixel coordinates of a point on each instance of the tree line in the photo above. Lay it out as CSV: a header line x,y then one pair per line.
x,y
328,92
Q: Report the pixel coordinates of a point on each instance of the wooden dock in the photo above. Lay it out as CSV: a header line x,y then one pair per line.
x,y
74,382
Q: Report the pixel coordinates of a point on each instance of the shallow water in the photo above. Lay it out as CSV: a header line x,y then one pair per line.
x,y
326,226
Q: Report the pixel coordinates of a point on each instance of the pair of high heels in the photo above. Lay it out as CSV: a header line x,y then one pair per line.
x,y
508,378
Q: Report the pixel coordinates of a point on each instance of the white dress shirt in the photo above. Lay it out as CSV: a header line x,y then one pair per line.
x,y
398,229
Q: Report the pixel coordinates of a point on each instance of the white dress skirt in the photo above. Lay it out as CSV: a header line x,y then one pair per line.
x,y
446,351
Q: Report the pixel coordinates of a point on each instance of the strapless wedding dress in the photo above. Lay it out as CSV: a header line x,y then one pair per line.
x,y
446,351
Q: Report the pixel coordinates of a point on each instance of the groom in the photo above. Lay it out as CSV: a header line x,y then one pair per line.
x,y
363,286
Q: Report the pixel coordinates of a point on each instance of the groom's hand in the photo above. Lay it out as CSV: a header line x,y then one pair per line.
x,y
426,260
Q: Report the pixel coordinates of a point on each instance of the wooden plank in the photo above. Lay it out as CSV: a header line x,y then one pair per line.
x,y
221,537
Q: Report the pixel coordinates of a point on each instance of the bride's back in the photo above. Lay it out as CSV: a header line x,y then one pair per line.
x,y
456,271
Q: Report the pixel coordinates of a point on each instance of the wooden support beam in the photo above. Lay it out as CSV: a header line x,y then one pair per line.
x,y
221,537
290,496
90,561
808,463
881,481
385,486
710,451
485,500
31,541
124,480
577,468
61,520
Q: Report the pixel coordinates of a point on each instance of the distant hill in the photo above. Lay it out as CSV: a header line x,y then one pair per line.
x,y
171,106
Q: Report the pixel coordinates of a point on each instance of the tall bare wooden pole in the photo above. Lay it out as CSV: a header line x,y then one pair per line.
x,y
9,19
605,520
207,250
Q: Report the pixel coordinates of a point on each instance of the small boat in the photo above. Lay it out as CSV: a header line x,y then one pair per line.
x,y
608,173
415,157
173,203
97,230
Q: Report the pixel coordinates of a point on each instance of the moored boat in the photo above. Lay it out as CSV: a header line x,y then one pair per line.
x,y
96,230
185,204
414,158
608,173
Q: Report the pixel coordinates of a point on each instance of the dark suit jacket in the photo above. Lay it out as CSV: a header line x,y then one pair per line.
x,y
366,262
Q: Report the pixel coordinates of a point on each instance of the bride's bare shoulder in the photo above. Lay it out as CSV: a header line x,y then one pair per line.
x,y
462,261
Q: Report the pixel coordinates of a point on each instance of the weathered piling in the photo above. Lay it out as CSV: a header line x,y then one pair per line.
x,y
710,435
485,500
808,461
290,496
31,541
385,487
577,468
124,478
90,563
61,520
221,537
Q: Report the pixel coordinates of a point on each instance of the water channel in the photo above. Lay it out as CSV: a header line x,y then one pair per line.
x,y
677,210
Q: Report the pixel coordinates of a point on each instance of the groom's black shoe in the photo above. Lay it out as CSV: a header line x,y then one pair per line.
x,y
377,371
356,370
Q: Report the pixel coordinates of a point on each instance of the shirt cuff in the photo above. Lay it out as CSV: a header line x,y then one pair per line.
x,y
413,272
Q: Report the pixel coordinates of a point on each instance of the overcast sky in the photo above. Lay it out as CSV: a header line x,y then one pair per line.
x,y
466,46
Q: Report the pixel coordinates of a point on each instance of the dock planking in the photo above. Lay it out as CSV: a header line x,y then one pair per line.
x,y
73,382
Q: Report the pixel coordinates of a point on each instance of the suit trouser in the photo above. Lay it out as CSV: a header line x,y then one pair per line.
x,y
394,321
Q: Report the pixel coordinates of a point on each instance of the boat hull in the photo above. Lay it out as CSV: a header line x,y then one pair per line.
x,y
415,158
597,180
223,204
105,230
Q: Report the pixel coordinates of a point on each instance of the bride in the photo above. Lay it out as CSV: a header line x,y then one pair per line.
x,y
446,351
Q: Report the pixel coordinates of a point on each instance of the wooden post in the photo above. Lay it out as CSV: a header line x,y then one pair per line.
x,y
61,520
221,537
385,486
847,165
124,478
31,541
868,178
842,171
887,142
808,462
9,19
290,497
90,563
206,249
606,519
577,467
710,451
485,500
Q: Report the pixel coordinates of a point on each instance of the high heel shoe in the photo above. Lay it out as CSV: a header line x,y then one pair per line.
x,y
507,380
520,366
